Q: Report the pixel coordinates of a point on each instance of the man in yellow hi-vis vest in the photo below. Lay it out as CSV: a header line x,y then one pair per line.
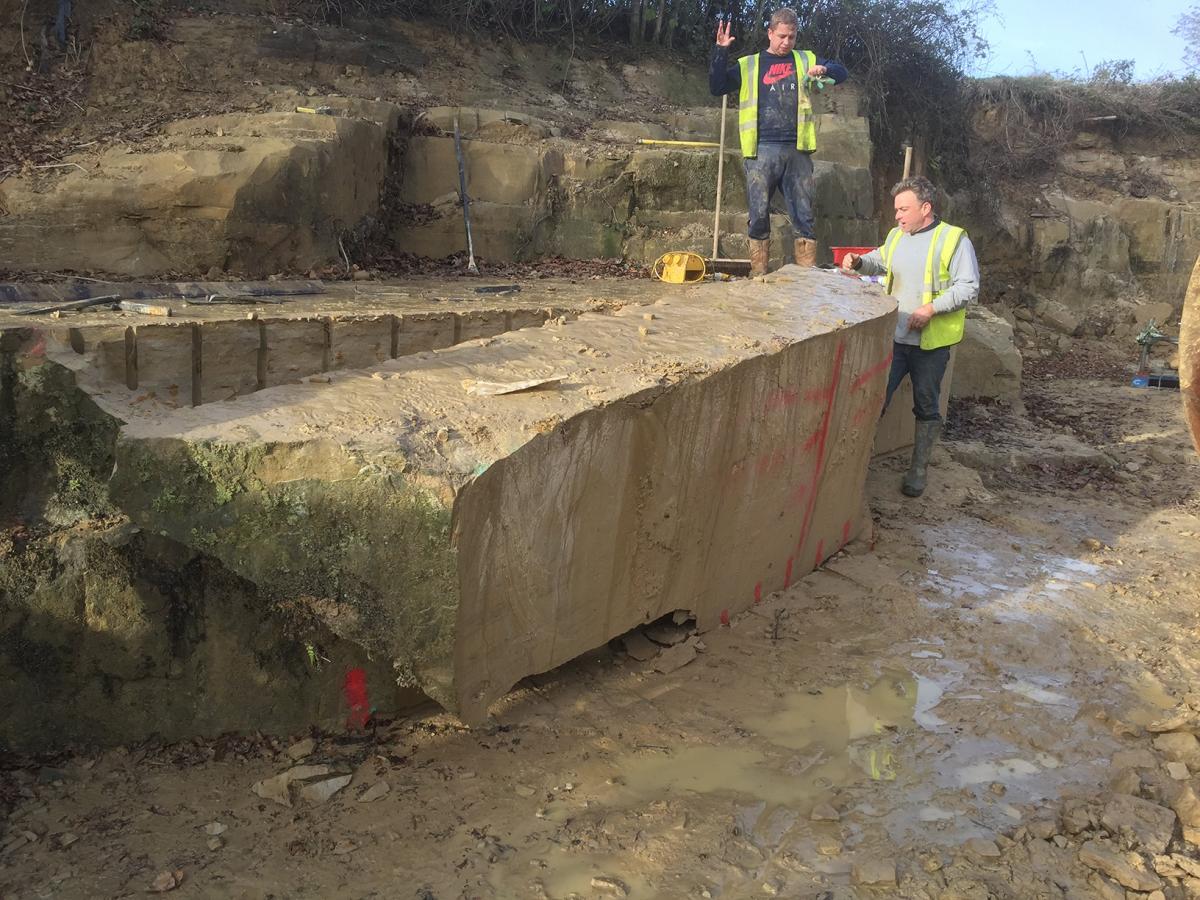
x,y
776,128
931,270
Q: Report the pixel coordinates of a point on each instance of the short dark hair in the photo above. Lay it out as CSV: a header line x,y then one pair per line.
x,y
919,185
784,16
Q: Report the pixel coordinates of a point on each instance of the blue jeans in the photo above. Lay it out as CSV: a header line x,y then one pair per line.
x,y
925,368
780,166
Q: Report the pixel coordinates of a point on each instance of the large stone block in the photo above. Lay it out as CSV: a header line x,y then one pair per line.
x,y
684,180
359,342
987,362
842,191
294,351
230,354
845,140
603,201
584,238
163,363
499,232
509,174
588,167
717,455
426,331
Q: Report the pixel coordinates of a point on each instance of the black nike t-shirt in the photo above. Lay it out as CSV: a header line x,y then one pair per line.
x,y
777,99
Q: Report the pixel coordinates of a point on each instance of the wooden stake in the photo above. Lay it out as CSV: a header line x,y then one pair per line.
x,y
720,177
907,159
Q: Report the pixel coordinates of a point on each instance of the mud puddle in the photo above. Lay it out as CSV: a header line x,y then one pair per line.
x,y
842,734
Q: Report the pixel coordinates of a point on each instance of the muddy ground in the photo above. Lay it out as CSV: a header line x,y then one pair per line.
x,y
959,711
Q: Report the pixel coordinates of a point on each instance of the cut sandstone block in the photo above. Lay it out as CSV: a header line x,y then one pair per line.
x,y
696,454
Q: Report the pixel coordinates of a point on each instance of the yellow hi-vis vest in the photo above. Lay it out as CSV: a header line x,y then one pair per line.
x,y
806,125
944,329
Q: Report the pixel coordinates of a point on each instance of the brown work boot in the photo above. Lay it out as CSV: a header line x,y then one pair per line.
x,y
806,252
760,254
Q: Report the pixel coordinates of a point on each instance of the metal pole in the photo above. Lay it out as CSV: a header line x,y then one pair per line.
x,y
466,202
657,143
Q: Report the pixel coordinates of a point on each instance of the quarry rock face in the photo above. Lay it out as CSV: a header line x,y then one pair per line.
x,y
248,193
261,193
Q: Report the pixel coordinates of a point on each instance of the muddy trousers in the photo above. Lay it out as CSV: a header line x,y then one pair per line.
x,y
925,368
780,167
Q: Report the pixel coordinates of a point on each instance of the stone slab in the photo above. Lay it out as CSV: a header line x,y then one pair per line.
x,y
496,173
474,325
702,451
294,351
163,363
229,359
432,331
358,343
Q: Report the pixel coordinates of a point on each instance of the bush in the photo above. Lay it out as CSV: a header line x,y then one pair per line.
x,y
1021,125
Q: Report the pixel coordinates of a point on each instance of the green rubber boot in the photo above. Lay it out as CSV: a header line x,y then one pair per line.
x,y
926,437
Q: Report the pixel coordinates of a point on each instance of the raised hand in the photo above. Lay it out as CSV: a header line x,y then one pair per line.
x,y
725,36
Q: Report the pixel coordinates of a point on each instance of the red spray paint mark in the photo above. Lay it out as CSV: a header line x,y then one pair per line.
x,y
845,533
787,575
758,593
820,438
725,617
878,369
355,690
820,554
786,398
860,417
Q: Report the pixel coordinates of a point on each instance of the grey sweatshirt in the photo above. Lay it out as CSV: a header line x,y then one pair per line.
x,y
908,277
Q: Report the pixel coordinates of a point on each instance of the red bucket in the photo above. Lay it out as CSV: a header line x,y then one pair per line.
x,y
840,252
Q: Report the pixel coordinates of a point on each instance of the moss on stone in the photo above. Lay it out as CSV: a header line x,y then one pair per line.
x,y
56,443
369,551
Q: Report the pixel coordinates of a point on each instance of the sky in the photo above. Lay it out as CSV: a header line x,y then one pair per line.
x,y
1032,36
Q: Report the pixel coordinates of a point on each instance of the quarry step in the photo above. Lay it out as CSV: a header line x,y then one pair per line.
x,y
205,353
